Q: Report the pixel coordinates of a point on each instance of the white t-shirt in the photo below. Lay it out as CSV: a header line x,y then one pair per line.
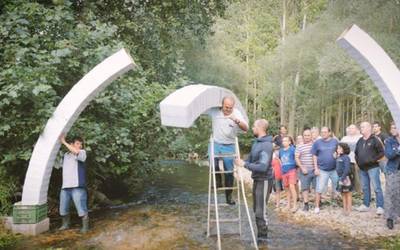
x,y
352,142
224,129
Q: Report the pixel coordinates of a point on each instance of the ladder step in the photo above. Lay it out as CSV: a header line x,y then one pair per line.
x,y
224,172
226,220
224,205
229,155
227,188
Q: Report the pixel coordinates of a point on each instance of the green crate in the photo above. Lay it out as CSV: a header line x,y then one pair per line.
x,y
29,214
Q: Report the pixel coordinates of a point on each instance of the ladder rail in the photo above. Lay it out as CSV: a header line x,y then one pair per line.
x,y
215,192
244,197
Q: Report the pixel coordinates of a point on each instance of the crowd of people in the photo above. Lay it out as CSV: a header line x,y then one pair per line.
x,y
307,164
352,164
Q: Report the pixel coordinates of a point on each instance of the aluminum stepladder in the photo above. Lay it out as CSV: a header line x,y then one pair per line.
x,y
213,192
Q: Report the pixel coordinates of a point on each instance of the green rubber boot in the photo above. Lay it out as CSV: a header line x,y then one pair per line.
x,y
85,224
66,220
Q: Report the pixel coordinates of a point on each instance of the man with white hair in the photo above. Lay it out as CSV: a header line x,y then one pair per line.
x,y
227,122
259,163
369,151
351,139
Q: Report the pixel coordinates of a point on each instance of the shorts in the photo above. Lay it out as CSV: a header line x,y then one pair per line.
x,y
307,180
323,179
277,186
289,178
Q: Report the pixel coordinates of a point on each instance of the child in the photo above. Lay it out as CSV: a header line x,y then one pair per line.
x,y
287,156
276,166
343,170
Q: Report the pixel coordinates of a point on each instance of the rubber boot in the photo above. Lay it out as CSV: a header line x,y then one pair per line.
x,y
66,220
228,195
85,224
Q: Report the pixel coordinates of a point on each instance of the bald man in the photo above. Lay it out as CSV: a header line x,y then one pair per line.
x,y
227,122
369,151
259,163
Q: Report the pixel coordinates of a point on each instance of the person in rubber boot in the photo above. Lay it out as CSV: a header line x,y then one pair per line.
x,y
74,183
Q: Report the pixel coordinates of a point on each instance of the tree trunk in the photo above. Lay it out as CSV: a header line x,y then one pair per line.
x,y
282,108
292,113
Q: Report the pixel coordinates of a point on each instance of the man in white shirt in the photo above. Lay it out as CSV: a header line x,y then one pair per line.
x,y
227,122
74,183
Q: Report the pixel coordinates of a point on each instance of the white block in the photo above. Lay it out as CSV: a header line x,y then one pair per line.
x,y
378,65
41,163
28,229
185,105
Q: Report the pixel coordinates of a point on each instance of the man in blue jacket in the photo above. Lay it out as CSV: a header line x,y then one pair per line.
x,y
259,163
392,175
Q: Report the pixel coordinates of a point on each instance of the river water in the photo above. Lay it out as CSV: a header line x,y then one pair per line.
x,y
171,213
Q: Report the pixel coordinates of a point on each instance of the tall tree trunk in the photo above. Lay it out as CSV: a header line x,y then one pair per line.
x,y
282,108
292,113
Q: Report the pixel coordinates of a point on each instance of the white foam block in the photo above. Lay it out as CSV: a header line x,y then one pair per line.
x,y
378,65
182,107
45,151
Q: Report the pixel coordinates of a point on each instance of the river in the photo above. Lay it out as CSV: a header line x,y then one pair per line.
x,y
171,213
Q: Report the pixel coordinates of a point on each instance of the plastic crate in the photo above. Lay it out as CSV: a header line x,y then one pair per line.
x,y
29,214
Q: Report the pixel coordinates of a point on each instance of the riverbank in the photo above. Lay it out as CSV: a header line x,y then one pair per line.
x,y
364,226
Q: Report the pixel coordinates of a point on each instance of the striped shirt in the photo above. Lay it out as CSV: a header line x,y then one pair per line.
x,y
305,156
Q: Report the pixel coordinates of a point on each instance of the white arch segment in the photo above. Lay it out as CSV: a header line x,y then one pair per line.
x,y
182,107
42,160
380,68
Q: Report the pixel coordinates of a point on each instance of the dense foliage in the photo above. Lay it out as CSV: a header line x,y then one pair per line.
x,y
47,46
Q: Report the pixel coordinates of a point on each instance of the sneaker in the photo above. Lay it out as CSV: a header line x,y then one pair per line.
x,y
380,211
316,210
362,208
306,207
389,223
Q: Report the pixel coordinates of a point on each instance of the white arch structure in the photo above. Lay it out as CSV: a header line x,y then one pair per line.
x,y
378,65
183,106
42,160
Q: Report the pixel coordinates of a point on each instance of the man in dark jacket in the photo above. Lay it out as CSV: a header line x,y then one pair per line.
x,y
369,151
259,163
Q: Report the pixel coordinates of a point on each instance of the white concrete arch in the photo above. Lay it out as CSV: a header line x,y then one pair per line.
x,y
183,106
378,65
42,160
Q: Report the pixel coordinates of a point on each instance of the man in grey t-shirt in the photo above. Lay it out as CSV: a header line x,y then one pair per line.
x,y
74,183
227,122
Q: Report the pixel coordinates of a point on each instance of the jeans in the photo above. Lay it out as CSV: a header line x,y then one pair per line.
x,y
78,195
372,175
228,166
323,178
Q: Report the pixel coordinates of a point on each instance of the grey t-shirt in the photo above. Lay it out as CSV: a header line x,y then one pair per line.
x,y
74,170
224,129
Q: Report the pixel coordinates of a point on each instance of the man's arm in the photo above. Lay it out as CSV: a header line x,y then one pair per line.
x,y
260,166
69,146
380,150
239,120
298,162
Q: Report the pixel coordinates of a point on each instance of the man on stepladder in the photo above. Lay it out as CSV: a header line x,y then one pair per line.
x,y
74,183
227,122
259,163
